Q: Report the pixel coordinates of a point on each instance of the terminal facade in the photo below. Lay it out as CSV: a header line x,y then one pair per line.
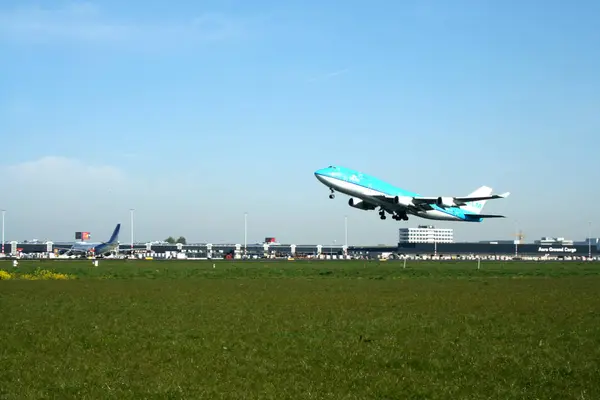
x,y
179,250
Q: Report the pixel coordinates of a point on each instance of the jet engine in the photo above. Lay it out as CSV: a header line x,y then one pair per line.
x,y
446,202
360,204
404,200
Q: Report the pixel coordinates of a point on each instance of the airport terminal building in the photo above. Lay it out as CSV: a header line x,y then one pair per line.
x,y
423,241
425,234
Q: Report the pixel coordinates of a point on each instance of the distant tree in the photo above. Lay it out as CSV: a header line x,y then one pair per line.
x,y
170,240
181,240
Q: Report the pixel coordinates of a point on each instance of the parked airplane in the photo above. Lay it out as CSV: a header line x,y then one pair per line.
x,y
97,249
367,193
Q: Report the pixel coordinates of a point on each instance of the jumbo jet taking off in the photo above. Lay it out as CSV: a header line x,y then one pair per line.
x,y
368,193
97,249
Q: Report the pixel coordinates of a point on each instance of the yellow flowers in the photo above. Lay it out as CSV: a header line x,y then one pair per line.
x,y
5,275
44,274
38,274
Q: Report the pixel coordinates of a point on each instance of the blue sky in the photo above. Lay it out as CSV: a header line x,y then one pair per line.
x,y
196,113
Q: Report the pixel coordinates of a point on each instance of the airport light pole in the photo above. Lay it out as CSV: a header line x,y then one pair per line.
x,y
346,231
517,238
245,233
131,210
432,231
3,213
590,241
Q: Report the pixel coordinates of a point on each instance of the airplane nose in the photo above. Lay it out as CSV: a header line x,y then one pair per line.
x,y
320,175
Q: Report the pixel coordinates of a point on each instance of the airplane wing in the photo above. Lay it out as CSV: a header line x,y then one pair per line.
x,y
456,201
81,251
68,249
71,248
396,203
386,200
422,203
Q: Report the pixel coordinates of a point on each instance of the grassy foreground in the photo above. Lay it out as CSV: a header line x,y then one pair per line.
x,y
301,330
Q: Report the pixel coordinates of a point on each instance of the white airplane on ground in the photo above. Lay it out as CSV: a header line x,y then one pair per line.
x,y
368,193
96,249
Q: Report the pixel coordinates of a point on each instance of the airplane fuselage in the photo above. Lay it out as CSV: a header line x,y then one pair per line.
x,y
96,248
372,191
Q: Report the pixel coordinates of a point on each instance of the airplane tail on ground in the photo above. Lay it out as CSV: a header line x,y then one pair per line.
x,y
115,235
475,207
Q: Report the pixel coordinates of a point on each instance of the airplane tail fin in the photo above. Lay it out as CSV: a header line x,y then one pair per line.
x,y
475,207
115,235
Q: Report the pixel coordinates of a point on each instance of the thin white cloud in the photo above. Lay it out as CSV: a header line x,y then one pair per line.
x,y
336,73
61,185
86,23
56,170
328,75
53,196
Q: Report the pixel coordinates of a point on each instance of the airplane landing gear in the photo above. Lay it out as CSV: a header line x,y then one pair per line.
x,y
400,217
382,214
332,195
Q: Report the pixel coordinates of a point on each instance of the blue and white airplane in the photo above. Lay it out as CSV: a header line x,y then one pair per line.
x,y
96,249
368,193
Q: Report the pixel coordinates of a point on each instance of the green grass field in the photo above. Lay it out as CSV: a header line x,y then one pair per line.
x,y
301,330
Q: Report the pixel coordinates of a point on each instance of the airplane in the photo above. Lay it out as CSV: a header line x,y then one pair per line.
x,y
368,193
96,249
